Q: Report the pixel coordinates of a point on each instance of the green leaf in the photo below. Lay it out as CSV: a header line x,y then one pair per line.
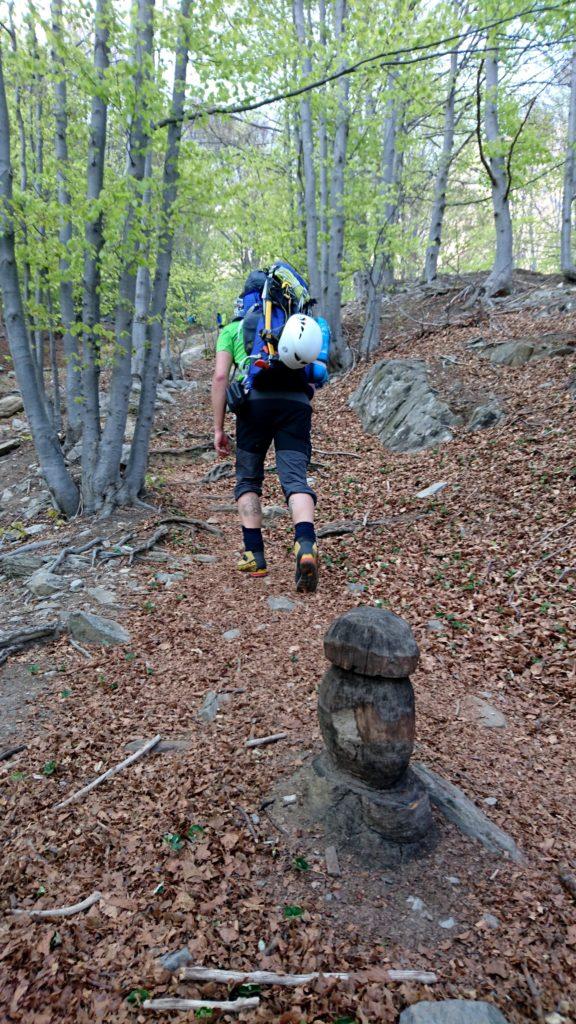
x,y
49,768
203,1013
247,990
301,864
34,669
194,832
137,996
65,693
173,840
293,911
17,776
160,888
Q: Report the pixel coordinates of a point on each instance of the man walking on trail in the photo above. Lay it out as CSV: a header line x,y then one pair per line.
x,y
277,409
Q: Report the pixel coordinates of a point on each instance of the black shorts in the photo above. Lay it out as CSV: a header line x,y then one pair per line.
x,y
284,419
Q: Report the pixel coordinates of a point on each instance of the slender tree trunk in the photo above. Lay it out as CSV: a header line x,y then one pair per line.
x,y
307,136
499,281
106,478
567,265
143,283
53,350
300,201
381,273
340,354
439,205
91,281
324,194
59,481
136,470
23,164
71,355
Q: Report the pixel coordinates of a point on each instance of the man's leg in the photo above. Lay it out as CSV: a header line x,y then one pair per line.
x,y
292,441
250,455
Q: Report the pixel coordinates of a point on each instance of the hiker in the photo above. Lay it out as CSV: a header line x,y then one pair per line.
x,y
276,369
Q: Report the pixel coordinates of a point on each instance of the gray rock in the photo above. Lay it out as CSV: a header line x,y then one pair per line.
x,y
231,634
9,404
490,801
372,642
169,578
487,415
519,351
206,559
474,709
396,402
6,496
492,921
281,604
33,531
102,596
44,583
436,626
452,1011
191,355
448,923
356,588
460,810
93,629
15,565
76,585
163,395
18,424
429,492
211,705
274,511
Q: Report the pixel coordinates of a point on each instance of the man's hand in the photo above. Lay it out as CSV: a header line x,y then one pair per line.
x,y
221,443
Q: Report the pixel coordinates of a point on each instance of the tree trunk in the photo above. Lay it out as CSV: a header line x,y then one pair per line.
x,y
499,281
324,196
307,136
23,164
381,273
439,205
94,242
71,355
143,283
340,353
567,264
135,473
59,481
106,478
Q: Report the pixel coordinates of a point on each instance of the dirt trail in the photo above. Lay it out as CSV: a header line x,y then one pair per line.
x,y
507,511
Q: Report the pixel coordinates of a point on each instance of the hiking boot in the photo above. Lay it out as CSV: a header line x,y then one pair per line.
x,y
253,563
306,566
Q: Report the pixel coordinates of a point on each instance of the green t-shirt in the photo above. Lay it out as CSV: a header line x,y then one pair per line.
x,y
231,340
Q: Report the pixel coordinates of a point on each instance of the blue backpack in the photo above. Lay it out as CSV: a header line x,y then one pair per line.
x,y
269,298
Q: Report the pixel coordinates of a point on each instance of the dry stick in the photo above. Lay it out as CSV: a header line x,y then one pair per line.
x,y
78,647
290,980
183,451
534,992
249,824
350,455
276,824
263,741
108,775
230,1006
76,908
11,751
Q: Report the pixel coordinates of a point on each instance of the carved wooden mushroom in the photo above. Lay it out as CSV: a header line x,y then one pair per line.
x,y
367,718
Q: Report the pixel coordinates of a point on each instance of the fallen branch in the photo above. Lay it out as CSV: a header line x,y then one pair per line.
x,y
227,1005
342,526
75,908
199,524
263,741
78,647
14,642
207,446
349,455
9,752
249,824
94,543
289,980
534,992
9,651
108,775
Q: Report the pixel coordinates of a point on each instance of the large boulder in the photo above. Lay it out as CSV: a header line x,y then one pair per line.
x,y
452,1011
10,405
192,355
519,351
396,402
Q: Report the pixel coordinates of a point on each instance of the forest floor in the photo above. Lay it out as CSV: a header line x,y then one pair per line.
x,y
491,561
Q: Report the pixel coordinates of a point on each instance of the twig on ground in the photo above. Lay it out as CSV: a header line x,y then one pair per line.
x,y
108,775
534,992
272,820
249,824
78,647
263,741
229,1006
343,526
199,524
349,455
9,752
75,908
290,980
197,448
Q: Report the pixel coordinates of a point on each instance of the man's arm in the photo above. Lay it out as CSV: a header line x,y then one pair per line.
x,y
219,385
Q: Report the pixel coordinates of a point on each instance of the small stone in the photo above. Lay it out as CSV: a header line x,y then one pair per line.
x,y
490,801
280,604
332,862
32,531
474,709
453,879
289,800
169,578
452,1011
231,634
554,1018
6,496
433,489
492,921
447,923
436,626
211,705
44,583
93,629
356,588
10,404
373,642
76,585
415,903
205,558
102,596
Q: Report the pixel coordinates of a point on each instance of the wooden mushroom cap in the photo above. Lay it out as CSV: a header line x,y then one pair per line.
x,y
372,642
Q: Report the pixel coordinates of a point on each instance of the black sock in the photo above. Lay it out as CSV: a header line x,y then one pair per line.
x,y
252,539
305,531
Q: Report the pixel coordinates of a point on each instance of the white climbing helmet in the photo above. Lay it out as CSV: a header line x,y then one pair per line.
x,y
300,341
